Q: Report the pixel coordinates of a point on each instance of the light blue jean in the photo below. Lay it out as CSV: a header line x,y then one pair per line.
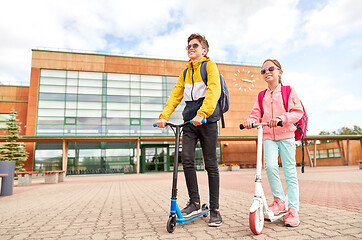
x,y
286,147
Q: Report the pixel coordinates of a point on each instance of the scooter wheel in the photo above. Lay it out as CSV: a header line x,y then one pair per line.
x,y
256,221
204,207
171,224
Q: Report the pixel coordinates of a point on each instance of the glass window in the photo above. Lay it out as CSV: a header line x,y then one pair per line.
x,y
70,112
151,93
72,89
4,117
89,83
117,114
89,98
50,120
52,89
118,76
52,73
72,74
89,120
86,113
151,86
94,129
117,98
117,91
50,129
91,75
48,160
89,90
117,84
152,107
52,81
89,105
117,121
322,153
71,121
51,96
50,112
71,97
70,105
51,104
72,82
118,130
146,114
118,106
151,78
135,122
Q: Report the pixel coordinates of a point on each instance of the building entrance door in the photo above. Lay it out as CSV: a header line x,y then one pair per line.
x,y
155,158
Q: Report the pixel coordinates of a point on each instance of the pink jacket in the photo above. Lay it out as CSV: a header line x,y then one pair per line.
x,y
274,108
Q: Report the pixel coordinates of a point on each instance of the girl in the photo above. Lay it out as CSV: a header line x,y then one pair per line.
x,y
279,139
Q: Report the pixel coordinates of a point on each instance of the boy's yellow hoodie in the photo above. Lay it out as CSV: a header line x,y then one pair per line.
x,y
200,99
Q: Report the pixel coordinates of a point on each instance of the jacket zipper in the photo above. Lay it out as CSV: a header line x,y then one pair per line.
x,y
192,78
271,101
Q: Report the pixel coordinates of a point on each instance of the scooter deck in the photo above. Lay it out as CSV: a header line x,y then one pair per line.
x,y
185,220
275,218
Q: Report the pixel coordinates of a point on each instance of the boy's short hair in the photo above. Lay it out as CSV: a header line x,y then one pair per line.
x,y
201,39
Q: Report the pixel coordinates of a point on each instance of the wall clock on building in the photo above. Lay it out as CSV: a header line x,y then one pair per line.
x,y
244,80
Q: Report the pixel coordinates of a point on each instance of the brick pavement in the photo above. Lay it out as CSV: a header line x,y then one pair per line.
x,y
137,207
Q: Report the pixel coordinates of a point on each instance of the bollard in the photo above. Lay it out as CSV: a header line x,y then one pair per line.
x,y
7,183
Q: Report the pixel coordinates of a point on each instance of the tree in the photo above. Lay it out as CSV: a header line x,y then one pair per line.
x,y
13,150
355,130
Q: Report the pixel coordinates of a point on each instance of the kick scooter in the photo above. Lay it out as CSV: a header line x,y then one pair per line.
x,y
175,212
259,207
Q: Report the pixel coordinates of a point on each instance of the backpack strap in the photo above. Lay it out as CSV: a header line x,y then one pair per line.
x,y
260,100
285,95
185,71
204,72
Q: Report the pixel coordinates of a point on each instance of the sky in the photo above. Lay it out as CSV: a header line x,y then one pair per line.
x,y
318,42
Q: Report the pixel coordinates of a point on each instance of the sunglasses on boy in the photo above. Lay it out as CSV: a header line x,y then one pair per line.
x,y
194,46
270,69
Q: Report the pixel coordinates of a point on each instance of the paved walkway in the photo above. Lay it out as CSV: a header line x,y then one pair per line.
x,y
137,207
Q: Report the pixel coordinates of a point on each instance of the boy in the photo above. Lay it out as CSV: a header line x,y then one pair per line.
x,y
201,102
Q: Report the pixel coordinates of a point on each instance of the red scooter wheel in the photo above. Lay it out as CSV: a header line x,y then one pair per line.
x,y
256,221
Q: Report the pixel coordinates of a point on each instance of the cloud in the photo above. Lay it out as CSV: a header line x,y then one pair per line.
x,y
335,21
345,103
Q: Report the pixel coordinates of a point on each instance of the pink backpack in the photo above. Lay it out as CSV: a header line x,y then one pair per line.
x,y
301,124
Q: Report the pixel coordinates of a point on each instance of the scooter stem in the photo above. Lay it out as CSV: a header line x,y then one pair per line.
x,y
259,152
175,164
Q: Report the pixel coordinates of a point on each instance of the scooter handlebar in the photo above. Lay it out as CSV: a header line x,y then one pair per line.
x,y
202,121
280,124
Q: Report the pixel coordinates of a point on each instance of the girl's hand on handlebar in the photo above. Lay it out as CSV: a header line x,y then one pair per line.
x,y
161,123
274,122
196,121
248,124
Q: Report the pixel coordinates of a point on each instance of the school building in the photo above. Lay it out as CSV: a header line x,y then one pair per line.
x,y
93,113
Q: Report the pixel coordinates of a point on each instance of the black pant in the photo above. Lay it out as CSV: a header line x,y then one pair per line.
x,y
207,134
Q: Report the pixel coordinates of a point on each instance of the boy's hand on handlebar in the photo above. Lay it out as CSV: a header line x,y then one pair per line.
x,y
274,122
161,123
248,124
196,121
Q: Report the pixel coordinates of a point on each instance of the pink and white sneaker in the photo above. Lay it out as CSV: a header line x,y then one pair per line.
x,y
277,207
291,219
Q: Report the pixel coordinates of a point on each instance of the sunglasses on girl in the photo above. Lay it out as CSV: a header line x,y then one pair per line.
x,y
194,46
270,69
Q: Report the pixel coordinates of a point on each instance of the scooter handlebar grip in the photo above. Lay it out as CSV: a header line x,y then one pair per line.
x,y
202,121
280,124
155,124
243,127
